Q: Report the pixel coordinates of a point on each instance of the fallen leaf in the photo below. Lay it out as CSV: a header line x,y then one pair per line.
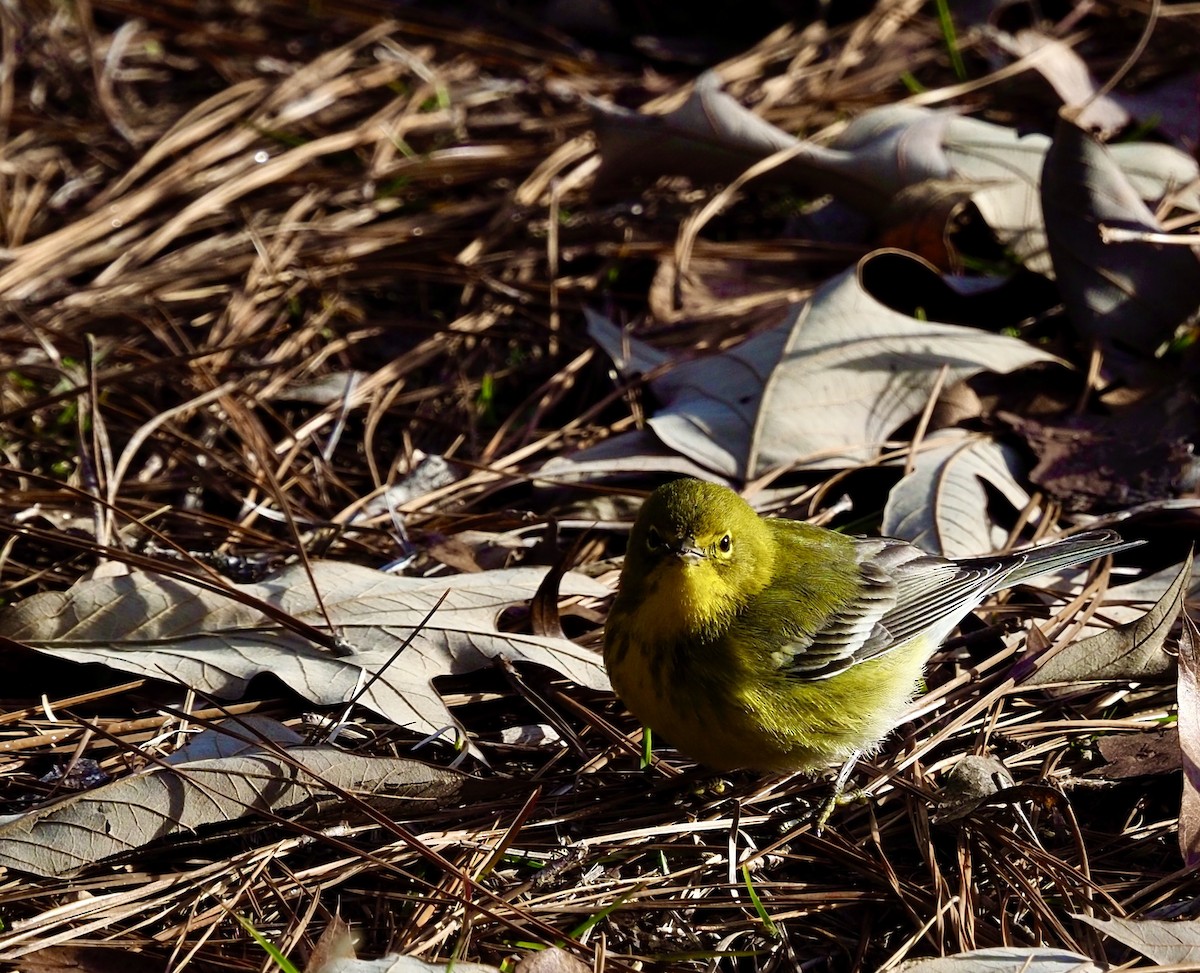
x,y
1129,755
711,137
335,953
828,387
880,156
942,505
552,960
1130,297
1131,651
1005,959
1169,942
69,835
639,453
233,737
1137,454
153,625
1188,691
393,963
335,945
1067,73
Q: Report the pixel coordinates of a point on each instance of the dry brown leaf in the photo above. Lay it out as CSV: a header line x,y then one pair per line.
x,y
881,155
552,960
828,387
1133,650
1136,454
1005,959
942,505
158,626
1189,741
128,813
1129,297
1067,73
335,953
393,963
1128,755
1173,943
335,945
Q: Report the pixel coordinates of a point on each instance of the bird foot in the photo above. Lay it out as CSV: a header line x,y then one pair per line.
x,y
838,795
836,799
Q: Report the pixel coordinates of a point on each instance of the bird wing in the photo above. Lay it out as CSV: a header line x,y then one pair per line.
x,y
904,593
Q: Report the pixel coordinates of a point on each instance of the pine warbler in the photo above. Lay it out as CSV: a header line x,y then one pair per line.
x,y
769,644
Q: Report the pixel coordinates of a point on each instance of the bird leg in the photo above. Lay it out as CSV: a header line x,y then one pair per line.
x,y
838,795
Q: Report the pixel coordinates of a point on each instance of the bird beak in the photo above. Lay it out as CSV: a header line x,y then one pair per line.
x,y
686,550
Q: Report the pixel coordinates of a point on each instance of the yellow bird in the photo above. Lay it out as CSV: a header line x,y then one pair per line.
x,y
769,644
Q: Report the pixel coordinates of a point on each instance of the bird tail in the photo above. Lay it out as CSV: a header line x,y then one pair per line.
x,y
1022,565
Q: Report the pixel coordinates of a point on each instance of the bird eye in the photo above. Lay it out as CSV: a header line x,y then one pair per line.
x,y
654,539
726,544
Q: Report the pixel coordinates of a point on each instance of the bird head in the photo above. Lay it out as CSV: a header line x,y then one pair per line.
x,y
701,545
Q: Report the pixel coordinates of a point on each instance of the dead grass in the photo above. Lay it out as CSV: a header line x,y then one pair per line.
x,y
255,263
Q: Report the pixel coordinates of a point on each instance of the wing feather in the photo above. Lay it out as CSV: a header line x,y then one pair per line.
x,y
905,592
